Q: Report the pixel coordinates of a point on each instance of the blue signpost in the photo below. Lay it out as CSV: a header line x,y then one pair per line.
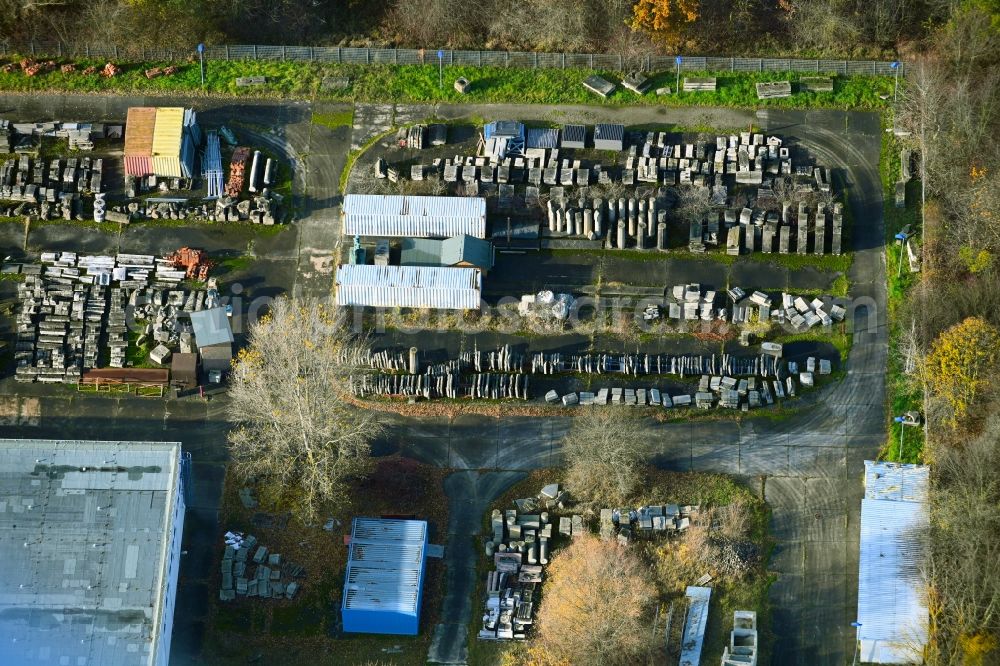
x,y
201,57
856,625
440,68
895,86
677,83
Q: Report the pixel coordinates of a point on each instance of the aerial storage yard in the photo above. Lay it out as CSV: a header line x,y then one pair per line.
x,y
509,275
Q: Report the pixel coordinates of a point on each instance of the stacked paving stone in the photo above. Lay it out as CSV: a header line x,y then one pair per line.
x,y
263,574
49,189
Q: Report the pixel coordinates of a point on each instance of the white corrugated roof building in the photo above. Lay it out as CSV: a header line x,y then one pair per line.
x,y
436,288
392,216
892,604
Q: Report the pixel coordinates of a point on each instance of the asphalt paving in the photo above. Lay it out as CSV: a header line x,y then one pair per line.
x,y
470,493
809,464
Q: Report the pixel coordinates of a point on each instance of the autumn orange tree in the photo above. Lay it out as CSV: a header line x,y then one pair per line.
x,y
596,606
960,366
665,21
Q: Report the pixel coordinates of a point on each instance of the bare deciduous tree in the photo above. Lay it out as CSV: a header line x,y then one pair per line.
x,y
597,603
693,203
295,426
605,450
964,562
823,25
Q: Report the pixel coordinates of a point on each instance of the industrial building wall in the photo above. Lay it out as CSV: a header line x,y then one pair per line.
x,y
380,622
162,656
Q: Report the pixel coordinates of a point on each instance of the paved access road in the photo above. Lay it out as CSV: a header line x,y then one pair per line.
x,y
810,464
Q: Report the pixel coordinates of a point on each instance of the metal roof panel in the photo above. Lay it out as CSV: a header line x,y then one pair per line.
x,y
444,288
168,131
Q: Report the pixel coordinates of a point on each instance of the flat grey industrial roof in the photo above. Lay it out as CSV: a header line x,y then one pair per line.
x,y
84,539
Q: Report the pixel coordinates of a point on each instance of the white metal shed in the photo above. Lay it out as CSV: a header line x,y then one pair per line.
x,y
436,288
414,216
892,605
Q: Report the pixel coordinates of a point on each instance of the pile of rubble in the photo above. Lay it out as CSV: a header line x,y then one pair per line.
x,y
29,66
49,188
162,316
646,521
264,574
195,263
32,67
519,549
546,305
156,72
263,209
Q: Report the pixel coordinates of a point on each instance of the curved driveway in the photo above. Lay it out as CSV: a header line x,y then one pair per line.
x,y
810,465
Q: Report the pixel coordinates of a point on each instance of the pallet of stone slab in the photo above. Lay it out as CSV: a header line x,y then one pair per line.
x,y
248,81
599,86
774,89
699,83
637,82
816,84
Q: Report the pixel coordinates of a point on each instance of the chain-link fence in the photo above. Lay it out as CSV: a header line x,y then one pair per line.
x,y
524,59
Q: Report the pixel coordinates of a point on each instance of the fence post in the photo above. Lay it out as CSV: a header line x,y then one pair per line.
x,y
536,59
760,64
621,62
284,55
874,68
368,56
340,55
506,59
312,53
817,65
732,64
116,52
32,47
254,51
86,48
395,55
591,60
480,54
